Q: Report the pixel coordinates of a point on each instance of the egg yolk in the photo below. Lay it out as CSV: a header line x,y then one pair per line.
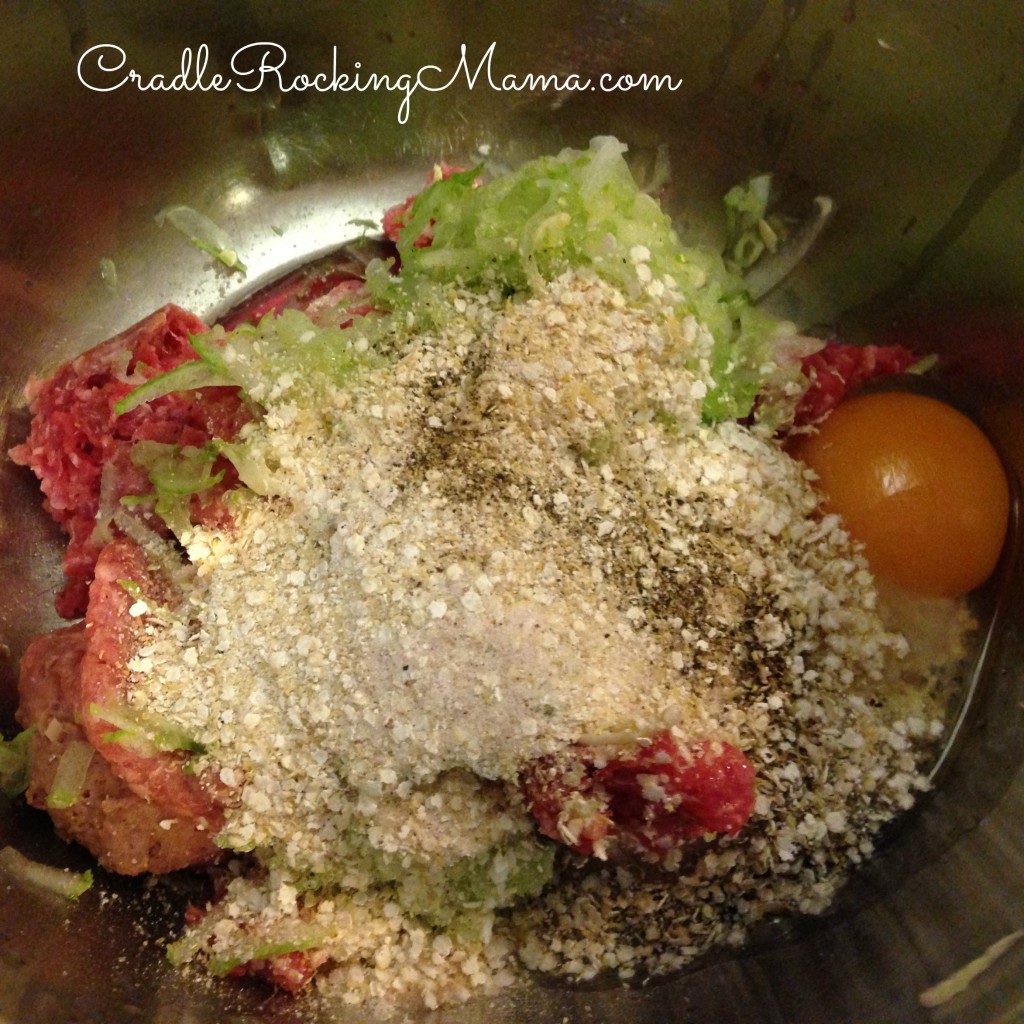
x,y
918,484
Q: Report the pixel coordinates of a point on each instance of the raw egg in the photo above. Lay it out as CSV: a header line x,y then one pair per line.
x,y
918,484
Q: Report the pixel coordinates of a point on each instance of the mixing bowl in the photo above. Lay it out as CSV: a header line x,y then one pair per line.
x,y
909,115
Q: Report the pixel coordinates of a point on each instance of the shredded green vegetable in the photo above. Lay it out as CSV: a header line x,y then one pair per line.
x,y
144,731
199,373
203,234
253,469
176,473
188,946
749,233
582,209
14,763
58,881
282,355
579,209
72,771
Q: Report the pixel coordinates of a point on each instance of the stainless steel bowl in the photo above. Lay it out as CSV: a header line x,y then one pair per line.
x,y
911,115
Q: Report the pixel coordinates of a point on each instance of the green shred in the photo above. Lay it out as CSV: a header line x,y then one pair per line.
x,y
580,209
577,209
176,470
228,257
749,233
131,588
252,468
243,947
58,881
221,966
287,355
283,356
72,771
144,731
203,233
583,209
14,763
176,473
135,500
197,373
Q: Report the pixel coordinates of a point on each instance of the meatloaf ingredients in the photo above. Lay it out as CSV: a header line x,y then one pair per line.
x,y
482,556
520,639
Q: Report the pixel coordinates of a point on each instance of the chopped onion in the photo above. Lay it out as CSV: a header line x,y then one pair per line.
x,y
773,268
14,756
69,780
59,881
203,234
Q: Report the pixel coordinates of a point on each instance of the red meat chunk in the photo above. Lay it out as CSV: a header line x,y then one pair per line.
x,y
664,796
288,971
314,290
651,802
80,449
113,638
835,369
125,832
569,808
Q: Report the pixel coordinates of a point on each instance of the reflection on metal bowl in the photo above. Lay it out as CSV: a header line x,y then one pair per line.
x,y
910,116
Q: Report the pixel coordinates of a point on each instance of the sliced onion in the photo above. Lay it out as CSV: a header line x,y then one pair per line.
x,y
14,763
772,269
69,780
59,881
203,233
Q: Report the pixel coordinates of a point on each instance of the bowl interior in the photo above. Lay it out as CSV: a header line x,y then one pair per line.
x,y
910,116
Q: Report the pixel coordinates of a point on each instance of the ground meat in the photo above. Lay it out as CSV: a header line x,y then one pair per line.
x,y
667,794
80,448
125,832
114,636
288,971
329,291
652,800
837,368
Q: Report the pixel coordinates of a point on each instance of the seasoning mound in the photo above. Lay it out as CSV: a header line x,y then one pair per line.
x,y
515,537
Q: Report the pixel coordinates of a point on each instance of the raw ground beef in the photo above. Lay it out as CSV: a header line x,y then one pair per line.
x,y
652,801
114,636
81,450
125,832
837,368
327,291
